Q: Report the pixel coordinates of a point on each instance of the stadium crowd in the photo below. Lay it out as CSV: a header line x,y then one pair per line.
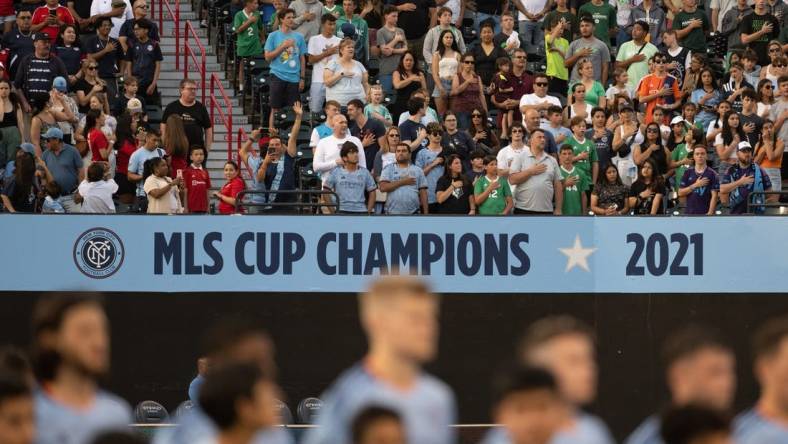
x,y
385,398
454,107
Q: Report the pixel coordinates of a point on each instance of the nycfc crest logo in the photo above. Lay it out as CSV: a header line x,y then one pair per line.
x,y
98,253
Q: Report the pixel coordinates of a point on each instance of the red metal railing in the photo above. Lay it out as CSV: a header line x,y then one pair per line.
x,y
190,56
225,116
176,17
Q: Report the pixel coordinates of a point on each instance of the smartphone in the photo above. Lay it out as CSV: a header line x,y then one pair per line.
x,y
179,174
53,12
271,151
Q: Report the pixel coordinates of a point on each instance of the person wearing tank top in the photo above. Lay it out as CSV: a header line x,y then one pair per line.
x,y
467,91
10,115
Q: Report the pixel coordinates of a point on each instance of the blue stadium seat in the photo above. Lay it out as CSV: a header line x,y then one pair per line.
x,y
150,412
309,410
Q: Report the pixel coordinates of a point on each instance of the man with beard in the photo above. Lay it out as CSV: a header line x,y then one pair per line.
x,y
70,355
742,179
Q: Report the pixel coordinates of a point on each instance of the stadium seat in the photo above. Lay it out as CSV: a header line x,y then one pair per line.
x,y
309,410
183,408
284,412
150,412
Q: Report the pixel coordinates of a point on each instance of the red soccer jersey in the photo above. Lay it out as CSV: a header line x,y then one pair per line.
x,y
97,141
198,182
231,189
42,13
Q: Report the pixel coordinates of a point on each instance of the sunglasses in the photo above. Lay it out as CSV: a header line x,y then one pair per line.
x,y
767,86
468,62
92,67
540,84
394,135
517,131
652,130
476,115
774,50
435,133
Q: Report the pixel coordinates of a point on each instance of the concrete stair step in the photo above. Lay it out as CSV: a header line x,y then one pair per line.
x,y
165,99
173,83
169,65
169,29
170,39
178,75
170,49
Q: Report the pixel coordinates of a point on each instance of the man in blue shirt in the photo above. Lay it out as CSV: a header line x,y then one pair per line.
x,y
350,182
742,179
399,316
700,370
145,57
405,184
65,164
765,422
285,49
70,355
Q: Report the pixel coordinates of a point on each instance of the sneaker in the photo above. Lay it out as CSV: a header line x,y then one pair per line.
x,y
203,23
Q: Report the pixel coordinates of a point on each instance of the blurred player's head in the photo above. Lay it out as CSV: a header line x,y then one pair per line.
x,y
239,340
770,347
70,333
527,405
564,346
692,424
400,316
378,425
239,398
700,368
17,424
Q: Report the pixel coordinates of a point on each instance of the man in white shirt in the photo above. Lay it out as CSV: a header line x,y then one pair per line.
x,y
530,16
321,49
113,9
327,152
538,100
507,154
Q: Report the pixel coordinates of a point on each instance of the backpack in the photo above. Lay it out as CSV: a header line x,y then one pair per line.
x,y
736,197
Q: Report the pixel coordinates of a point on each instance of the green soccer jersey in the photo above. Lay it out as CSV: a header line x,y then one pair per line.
x,y
696,39
584,166
496,201
248,42
573,195
604,19
679,153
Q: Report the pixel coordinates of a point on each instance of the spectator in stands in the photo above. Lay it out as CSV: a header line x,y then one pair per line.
x,y
376,424
228,196
432,160
659,89
730,21
144,57
769,155
492,193
407,79
97,140
530,16
70,355
467,90
727,142
594,91
778,113
777,65
250,35
17,418
286,51
588,46
700,370
603,137
707,97
412,131
97,189
69,51
433,40
50,18
761,423
65,164
393,44
375,108
322,48
532,122
455,140
108,53
36,72
554,125
758,29
196,120
527,406
19,151
482,132
539,100
43,119
486,53
149,150
691,26
522,83
88,84
556,49
308,14
125,145
176,145
99,103
325,129
574,182
385,156
163,192
345,78
126,36
118,11
352,26
506,155
371,132
508,39
326,156
416,17
21,190
64,108
399,315
130,102
633,55
19,41
197,182
742,179
454,191
10,120
609,196
733,89
351,183
653,148
647,194
444,63
700,185
405,184
538,176
750,121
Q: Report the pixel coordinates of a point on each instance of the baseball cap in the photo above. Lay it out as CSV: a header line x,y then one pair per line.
x,y
59,83
744,146
53,133
28,148
40,36
677,119
134,105
348,30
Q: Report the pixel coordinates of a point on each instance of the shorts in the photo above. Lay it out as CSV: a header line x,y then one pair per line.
x,y
446,85
124,185
282,93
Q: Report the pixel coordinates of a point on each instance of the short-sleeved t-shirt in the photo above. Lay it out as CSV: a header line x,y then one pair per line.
x,y
458,201
696,39
555,59
389,63
735,173
374,127
573,195
67,425
699,199
423,158
405,199
231,189
753,23
680,153
287,65
604,19
535,194
637,70
97,141
198,182
248,42
496,200
195,120
604,146
318,44
584,166
644,205
568,17
415,23
143,58
64,166
350,187
600,55
108,64
137,164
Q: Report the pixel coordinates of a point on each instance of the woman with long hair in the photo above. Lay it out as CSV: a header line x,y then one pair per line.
x,y
594,91
454,191
616,104
652,148
97,140
769,155
765,95
229,193
127,144
692,80
385,156
176,144
777,65
486,52
98,102
162,191
22,190
88,84
678,130
345,78
707,96
468,92
68,49
482,134
610,195
445,62
625,137
577,107
11,119
407,79
646,194
43,119
727,142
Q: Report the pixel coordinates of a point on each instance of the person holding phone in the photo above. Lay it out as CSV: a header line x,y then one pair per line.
x,y
49,18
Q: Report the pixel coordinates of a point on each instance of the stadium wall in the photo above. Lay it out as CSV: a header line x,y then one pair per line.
x,y
156,339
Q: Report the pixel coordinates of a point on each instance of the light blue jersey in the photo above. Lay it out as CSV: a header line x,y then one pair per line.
x,y
195,427
287,65
60,424
648,432
350,187
427,410
588,429
423,158
750,427
405,199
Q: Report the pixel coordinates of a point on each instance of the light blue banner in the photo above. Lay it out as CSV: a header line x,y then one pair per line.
x,y
340,253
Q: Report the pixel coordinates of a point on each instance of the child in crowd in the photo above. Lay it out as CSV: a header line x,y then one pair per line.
x,y
477,169
230,189
553,126
375,108
51,203
97,190
585,155
330,7
502,89
491,192
621,78
130,87
197,181
752,71
575,183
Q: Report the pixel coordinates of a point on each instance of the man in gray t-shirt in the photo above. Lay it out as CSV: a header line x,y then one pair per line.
x,y
588,47
392,43
536,175
405,184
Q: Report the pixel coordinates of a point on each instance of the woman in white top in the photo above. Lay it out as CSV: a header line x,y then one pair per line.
x,y
777,67
578,105
346,79
445,62
765,93
625,138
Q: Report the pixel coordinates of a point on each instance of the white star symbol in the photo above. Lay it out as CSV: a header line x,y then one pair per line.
x,y
577,256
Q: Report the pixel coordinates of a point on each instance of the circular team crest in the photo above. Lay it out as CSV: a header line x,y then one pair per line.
x,y
98,253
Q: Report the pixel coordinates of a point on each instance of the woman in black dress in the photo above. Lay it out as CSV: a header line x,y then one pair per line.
x,y
485,53
407,79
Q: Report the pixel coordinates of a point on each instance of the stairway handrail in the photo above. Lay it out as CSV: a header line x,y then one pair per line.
x,y
226,118
188,53
176,16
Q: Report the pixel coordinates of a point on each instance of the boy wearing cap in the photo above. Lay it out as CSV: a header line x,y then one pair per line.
x,y
742,179
144,57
